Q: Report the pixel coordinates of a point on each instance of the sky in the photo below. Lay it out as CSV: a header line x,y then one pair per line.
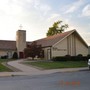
x,y
36,16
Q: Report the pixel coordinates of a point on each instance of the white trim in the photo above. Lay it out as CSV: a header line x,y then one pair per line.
x,y
64,38
82,39
70,34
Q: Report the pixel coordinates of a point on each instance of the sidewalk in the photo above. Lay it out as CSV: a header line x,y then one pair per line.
x,y
28,70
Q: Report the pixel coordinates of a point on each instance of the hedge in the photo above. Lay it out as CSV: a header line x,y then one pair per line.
x,y
71,58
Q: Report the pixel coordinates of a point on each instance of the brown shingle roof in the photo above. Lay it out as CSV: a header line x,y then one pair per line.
x,y
7,45
51,40
45,42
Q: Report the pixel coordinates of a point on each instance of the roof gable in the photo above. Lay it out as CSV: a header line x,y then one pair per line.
x,y
82,40
51,40
77,34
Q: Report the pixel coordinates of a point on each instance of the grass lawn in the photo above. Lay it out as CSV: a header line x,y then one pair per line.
x,y
57,65
2,67
5,60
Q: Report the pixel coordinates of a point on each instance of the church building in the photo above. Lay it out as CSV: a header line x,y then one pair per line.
x,y
67,43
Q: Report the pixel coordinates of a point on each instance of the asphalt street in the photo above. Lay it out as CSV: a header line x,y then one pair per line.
x,y
56,81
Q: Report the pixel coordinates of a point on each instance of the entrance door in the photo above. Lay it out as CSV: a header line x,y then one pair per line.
x,y
21,55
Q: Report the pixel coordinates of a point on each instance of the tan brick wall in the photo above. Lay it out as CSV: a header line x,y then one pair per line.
x,y
21,40
8,53
60,49
46,53
81,48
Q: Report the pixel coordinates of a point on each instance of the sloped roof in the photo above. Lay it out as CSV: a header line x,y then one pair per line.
x,y
45,42
51,40
7,45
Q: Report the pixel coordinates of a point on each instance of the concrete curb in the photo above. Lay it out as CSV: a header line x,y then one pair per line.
x,y
5,74
45,72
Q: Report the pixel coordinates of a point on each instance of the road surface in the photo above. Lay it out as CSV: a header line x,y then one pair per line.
x,y
56,81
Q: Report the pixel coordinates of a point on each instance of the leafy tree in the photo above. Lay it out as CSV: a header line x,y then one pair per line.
x,y
57,28
33,50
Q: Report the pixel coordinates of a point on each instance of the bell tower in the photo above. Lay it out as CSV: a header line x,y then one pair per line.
x,y
21,42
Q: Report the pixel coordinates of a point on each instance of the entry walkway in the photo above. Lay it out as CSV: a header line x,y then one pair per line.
x,y
24,68
28,70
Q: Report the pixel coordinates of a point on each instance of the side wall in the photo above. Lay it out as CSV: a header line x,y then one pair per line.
x,y
60,49
81,48
72,45
20,42
47,53
89,50
6,53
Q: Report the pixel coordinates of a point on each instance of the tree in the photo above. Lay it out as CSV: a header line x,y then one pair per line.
x,y
33,50
55,29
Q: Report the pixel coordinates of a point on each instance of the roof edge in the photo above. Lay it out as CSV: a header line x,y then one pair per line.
x,y
70,34
65,37
82,39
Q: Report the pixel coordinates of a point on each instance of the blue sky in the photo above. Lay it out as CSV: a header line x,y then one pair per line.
x,y
36,16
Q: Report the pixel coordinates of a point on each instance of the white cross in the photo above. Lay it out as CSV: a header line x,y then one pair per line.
x,y
20,26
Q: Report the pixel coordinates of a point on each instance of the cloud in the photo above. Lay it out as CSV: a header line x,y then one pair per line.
x,y
24,9
10,8
53,16
71,9
74,6
35,16
86,10
44,8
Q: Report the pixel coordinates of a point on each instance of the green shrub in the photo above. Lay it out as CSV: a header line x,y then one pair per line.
x,y
59,59
4,57
88,56
15,55
70,58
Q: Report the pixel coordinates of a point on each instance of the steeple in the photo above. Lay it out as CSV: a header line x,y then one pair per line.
x,y
20,27
21,42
